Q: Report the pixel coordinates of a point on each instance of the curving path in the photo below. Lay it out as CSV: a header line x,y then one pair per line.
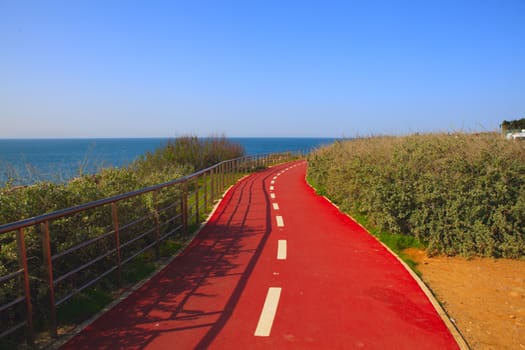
x,y
276,267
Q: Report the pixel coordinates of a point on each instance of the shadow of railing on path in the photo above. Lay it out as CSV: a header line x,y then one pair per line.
x,y
198,291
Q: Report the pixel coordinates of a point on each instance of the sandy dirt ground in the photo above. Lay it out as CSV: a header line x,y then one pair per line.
x,y
484,297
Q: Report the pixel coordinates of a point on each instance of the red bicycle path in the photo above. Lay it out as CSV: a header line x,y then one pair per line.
x,y
339,287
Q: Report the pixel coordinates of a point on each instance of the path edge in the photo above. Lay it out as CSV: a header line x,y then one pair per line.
x,y
452,327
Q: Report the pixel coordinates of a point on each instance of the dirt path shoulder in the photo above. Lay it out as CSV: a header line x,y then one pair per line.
x,y
485,297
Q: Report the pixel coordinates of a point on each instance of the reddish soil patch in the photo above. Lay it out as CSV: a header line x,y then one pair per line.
x,y
484,297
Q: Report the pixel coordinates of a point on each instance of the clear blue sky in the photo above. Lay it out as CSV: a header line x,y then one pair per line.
x,y
259,68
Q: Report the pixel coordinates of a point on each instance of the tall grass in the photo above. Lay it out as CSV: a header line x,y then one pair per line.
x,y
457,193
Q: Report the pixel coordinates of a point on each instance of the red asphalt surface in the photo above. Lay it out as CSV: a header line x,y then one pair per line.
x,y
340,288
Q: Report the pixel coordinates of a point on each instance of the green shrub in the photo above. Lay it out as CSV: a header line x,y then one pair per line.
x,y
458,193
192,153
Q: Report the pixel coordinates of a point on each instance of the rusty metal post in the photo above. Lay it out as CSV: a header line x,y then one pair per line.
x,y
205,191
48,263
232,175
226,174
156,215
114,214
223,177
22,260
212,196
185,207
216,173
197,201
219,172
181,207
219,181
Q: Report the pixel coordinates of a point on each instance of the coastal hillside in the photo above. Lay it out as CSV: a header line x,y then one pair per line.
x,y
457,194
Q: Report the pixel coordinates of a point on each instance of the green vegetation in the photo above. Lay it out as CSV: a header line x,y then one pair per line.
x,y
454,193
193,153
175,159
84,305
137,216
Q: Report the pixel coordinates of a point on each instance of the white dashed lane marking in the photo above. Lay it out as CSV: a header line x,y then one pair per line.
x,y
264,326
281,249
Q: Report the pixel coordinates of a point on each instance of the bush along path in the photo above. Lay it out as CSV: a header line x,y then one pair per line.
x,y
457,194
276,267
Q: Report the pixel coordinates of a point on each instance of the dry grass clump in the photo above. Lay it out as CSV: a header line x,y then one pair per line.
x,y
457,193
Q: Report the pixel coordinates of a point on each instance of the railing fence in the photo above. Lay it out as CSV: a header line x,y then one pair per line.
x,y
82,245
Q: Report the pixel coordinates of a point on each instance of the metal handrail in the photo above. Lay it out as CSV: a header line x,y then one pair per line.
x,y
214,180
98,203
11,303
11,275
82,245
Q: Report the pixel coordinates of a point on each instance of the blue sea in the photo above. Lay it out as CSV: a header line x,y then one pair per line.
x,y
27,161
